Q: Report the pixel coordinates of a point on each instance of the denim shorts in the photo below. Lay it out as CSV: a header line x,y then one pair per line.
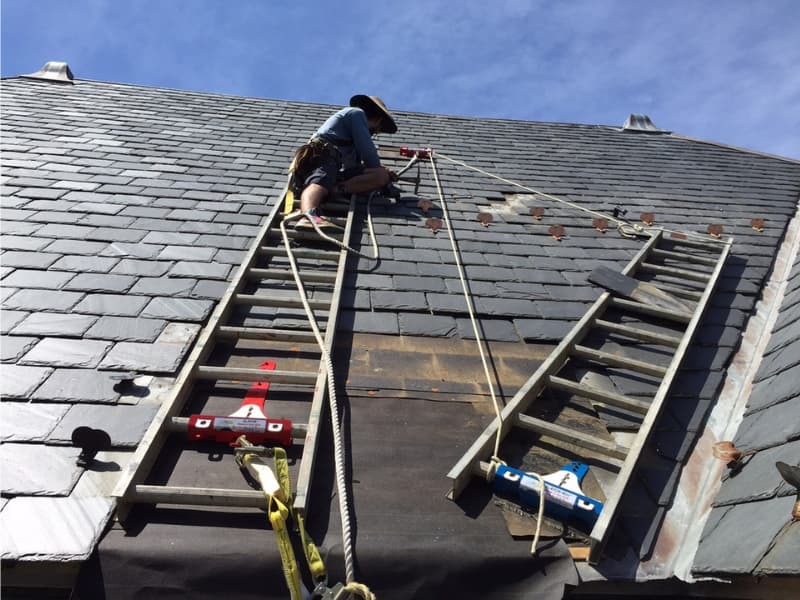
x,y
328,174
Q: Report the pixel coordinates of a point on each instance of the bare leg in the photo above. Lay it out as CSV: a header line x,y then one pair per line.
x,y
313,195
371,179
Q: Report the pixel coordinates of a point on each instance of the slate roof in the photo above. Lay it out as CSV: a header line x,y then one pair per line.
x,y
126,209
754,502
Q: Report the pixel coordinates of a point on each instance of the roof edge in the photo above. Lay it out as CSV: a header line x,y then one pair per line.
x,y
689,138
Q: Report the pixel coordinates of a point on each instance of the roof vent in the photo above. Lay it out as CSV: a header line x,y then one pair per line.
x,y
53,71
641,123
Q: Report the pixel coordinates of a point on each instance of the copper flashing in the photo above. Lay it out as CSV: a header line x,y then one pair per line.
x,y
537,212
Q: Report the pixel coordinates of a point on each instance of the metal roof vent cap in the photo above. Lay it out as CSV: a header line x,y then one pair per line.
x,y
636,122
53,71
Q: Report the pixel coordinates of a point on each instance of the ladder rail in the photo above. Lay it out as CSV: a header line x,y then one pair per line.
x,y
318,402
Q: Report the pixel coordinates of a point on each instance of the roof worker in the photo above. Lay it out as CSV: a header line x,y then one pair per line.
x,y
342,158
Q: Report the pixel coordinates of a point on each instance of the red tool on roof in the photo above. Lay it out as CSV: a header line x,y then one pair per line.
x,y
418,152
249,419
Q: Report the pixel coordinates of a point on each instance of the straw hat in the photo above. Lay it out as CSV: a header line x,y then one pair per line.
x,y
372,105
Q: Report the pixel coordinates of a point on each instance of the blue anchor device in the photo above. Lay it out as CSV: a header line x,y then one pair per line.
x,y
564,499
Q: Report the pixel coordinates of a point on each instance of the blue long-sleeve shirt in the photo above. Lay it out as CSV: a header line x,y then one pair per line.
x,y
348,130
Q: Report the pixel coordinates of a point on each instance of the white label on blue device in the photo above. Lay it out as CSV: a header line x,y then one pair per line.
x,y
553,493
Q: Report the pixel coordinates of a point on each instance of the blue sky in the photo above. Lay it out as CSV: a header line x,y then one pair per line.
x,y
726,71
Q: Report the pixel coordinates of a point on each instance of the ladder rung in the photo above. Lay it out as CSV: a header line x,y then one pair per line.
x,y
684,257
676,291
286,275
240,374
300,253
639,334
688,274
565,434
695,243
652,311
162,494
587,391
181,424
262,333
264,300
617,360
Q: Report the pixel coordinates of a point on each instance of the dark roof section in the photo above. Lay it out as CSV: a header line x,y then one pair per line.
x,y
126,209
755,503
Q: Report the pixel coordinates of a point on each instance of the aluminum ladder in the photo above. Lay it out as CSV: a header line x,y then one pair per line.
x,y
658,302
263,280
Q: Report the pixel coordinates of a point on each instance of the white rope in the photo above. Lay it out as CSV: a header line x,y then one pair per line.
x,y
468,297
495,460
338,446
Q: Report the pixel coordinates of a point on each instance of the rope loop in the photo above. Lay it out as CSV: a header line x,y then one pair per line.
x,y
360,590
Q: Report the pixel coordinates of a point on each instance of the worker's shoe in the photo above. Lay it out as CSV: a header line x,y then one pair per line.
x,y
311,218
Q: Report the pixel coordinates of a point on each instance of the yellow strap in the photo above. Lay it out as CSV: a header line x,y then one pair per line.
x,y
313,557
278,513
288,202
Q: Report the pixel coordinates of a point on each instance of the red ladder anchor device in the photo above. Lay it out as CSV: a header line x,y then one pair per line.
x,y
249,419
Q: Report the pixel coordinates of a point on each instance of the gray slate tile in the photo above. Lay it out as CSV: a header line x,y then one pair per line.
x,y
758,479
48,300
19,382
200,270
756,522
52,528
10,318
38,470
125,424
405,301
782,557
36,278
427,325
163,286
369,322
85,264
129,329
494,330
145,268
12,347
178,309
144,357
112,305
78,385
766,428
101,282
29,422
188,253
61,352
212,290
54,324
543,330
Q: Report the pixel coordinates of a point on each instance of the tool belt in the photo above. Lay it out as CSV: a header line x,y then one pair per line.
x,y
311,156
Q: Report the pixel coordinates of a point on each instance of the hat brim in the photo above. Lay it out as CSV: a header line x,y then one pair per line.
x,y
367,104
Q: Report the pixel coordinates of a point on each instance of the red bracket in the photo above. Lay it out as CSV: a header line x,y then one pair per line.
x,y
418,152
249,419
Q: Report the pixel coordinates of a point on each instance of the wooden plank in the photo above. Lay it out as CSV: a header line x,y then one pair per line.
x,y
309,253
265,300
638,333
687,273
286,275
617,360
161,494
676,291
684,257
645,309
634,289
262,333
572,436
587,391
239,374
